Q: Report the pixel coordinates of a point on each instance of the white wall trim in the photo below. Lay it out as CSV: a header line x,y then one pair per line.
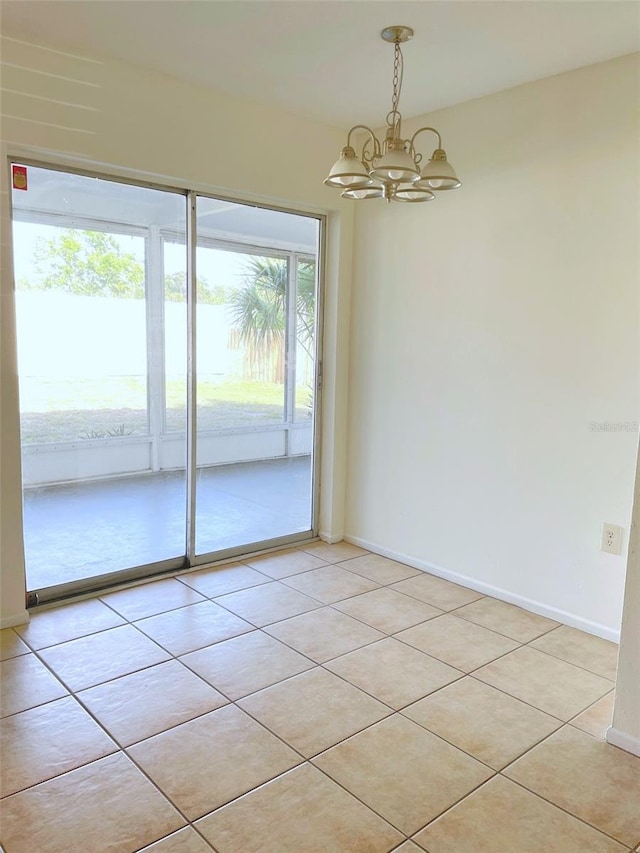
x,y
329,537
20,618
487,589
621,739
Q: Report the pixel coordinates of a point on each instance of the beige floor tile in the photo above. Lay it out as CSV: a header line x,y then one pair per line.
x,y
46,741
323,634
185,840
408,847
393,672
209,761
596,719
507,619
501,817
387,610
25,683
100,657
335,553
589,778
486,723
301,811
222,579
458,642
59,624
330,583
247,663
194,627
145,703
577,647
282,564
404,773
552,685
314,710
11,645
379,569
151,598
437,591
108,799
271,602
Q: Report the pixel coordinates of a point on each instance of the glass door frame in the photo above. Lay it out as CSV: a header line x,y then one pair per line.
x,y
190,559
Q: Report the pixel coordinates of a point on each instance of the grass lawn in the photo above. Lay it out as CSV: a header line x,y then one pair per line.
x,y
69,410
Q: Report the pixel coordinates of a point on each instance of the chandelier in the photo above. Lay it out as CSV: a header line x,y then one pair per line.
x,y
391,169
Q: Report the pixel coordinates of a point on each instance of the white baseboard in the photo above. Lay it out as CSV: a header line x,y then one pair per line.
x,y
328,537
621,739
495,592
20,618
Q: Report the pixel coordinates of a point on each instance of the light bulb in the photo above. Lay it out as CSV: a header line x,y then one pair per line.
x,y
395,175
359,193
347,180
435,182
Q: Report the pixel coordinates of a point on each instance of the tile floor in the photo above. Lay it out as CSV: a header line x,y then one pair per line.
x,y
318,699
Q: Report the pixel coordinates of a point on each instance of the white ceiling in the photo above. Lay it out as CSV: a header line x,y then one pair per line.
x,y
325,60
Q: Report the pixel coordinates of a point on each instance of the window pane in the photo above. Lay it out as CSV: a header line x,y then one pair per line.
x,y
79,381
240,321
253,454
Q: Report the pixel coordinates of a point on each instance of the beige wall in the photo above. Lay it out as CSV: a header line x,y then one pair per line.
x,y
490,329
140,123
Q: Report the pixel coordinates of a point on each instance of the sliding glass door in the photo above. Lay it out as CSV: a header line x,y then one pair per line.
x,y
167,406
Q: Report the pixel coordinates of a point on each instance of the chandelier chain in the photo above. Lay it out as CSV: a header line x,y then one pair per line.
x,y
397,84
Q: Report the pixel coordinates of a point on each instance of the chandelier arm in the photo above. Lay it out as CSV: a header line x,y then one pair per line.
x,y
364,157
432,129
372,137
363,127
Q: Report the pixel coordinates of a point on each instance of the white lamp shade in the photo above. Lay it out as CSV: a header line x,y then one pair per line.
x,y
396,166
347,171
373,191
413,193
439,174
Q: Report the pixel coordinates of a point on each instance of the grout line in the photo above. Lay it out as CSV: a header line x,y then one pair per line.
x,y
433,654
90,633
517,698
115,751
588,708
570,662
475,757
359,799
453,805
456,610
562,809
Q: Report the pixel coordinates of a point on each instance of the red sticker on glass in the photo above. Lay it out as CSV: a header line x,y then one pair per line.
x,y
19,174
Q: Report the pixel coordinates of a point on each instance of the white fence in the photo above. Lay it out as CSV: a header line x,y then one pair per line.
x,y
74,350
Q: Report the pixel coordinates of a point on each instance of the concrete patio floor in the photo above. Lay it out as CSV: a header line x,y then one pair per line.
x,y
82,530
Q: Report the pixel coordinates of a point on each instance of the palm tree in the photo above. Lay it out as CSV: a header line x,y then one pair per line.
x,y
258,308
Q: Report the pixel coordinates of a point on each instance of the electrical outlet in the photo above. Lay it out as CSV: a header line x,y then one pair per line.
x,y
611,539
